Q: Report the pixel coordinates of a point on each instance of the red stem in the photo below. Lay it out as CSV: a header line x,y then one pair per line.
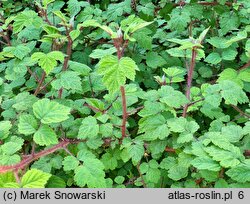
x,y
67,58
244,66
189,80
40,83
240,111
124,112
27,160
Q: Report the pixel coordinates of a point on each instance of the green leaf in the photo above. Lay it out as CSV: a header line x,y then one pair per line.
x,y
82,69
177,172
172,97
12,146
232,93
229,54
218,42
91,174
27,124
98,53
34,178
89,128
213,58
109,161
4,129
45,136
136,151
26,18
69,80
70,163
20,51
154,127
179,20
119,179
116,71
184,138
154,60
55,182
240,173
9,159
6,179
48,61
207,163
226,158
23,101
233,133
50,111
244,75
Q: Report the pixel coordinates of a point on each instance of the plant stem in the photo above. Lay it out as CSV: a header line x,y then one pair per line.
x,y
240,111
40,83
67,58
141,176
27,160
124,112
244,66
189,80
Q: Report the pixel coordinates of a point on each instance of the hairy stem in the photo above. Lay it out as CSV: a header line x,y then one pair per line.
x,y
67,58
40,83
28,159
124,112
244,66
240,111
189,80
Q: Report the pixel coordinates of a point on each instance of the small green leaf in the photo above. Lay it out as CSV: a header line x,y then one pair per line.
x,y
27,124
48,61
207,163
213,58
116,71
91,174
70,163
177,172
34,178
89,128
50,111
45,136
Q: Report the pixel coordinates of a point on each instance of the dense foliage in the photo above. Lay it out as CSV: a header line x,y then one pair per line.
x,y
124,93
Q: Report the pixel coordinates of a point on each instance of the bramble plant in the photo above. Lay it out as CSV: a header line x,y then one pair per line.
x,y
123,94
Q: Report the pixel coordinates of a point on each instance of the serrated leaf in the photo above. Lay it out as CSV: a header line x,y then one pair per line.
x,y
98,53
177,172
233,133
48,61
109,161
213,58
12,146
226,158
34,178
89,128
26,18
116,71
172,97
232,93
70,163
45,136
136,151
50,111
154,60
240,173
207,163
91,174
27,124
69,80
4,129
